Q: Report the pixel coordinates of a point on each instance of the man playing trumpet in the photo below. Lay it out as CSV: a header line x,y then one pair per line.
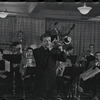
x,y
46,57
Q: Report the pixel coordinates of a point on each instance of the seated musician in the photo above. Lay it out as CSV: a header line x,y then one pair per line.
x,y
27,70
68,63
87,56
93,82
4,72
63,76
28,61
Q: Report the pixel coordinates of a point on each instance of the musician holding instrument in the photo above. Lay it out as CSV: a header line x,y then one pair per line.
x,y
27,69
61,66
46,57
27,61
93,82
19,44
87,56
64,79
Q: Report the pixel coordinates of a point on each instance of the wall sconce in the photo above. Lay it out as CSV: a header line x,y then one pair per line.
x,y
84,9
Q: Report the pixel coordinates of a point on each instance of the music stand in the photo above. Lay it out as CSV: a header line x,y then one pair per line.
x,y
14,59
72,58
15,43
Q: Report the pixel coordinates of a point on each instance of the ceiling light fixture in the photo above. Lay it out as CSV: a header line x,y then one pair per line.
x,y
3,14
84,9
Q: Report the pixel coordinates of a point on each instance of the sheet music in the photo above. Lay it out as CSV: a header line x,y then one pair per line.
x,y
90,73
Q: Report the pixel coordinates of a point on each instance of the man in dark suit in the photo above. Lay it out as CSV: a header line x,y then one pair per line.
x,y
46,57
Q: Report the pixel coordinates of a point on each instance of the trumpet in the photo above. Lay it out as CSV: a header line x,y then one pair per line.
x,y
64,41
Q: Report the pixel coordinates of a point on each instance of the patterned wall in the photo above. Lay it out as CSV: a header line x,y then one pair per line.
x,y
31,27
83,34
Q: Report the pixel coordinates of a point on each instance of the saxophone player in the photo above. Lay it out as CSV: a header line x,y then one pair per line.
x,y
27,70
27,61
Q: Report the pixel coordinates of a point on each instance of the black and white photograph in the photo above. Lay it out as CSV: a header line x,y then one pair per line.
x,y
50,50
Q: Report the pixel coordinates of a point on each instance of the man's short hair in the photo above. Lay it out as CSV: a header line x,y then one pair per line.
x,y
1,50
91,45
44,35
20,32
29,48
97,52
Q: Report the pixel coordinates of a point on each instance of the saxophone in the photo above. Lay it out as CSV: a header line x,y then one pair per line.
x,y
29,63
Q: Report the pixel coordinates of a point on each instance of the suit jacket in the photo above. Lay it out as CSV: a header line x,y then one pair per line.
x,y
46,68
93,64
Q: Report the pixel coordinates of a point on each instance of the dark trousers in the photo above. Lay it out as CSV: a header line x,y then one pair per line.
x,y
91,85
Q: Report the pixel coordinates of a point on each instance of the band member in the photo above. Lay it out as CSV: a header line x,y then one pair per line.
x,y
17,48
90,51
27,70
19,45
91,84
69,50
87,56
61,66
27,61
20,36
46,57
64,76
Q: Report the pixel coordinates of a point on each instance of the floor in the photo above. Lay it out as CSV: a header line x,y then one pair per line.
x,y
12,97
